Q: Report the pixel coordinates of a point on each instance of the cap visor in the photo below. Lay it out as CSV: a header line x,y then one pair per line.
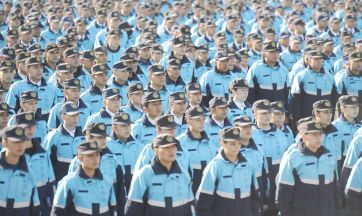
x,y
243,123
73,112
123,123
166,145
18,139
88,152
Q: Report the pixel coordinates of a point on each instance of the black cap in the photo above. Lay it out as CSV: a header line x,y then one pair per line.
x,y
174,63
4,107
124,25
51,46
164,140
134,88
270,46
156,48
14,133
150,97
194,112
70,52
34,48
261,105
204,47
114,33
121,66
99,69
142,46
193,88
121,118
62,41
29,95
355,56
238,83
12,33
230,134
25,118
128,57
5,64
243,121
88,147
71,83
277,106
111,92
24,28
322,105
132,50
19,47
8,52
100,49
96,129
222,56
87,54
309,127
34,60
348,100
63,68
22,56
218,102
156,69
177,96
315,54
244,52
69,108
166,121
178,41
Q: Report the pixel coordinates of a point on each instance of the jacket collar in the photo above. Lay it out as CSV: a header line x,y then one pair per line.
x,y
114,82
115,138
241,158
198,64
37,148
179,81
150,89
95,90
146,122
232,105
330,129
78,131
251,145
79,72
97,174
304,150
21,164
159,169
104,113
42,82
226,122
190,136
277,65
273,128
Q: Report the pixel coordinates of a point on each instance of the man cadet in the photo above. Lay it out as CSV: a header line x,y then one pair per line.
x,y
87,191
174,82
114,48
217,119
53,32
310,85
202,63
52,58
125,148
178,105
229,185
353,191
237,103
196,142
111,105
38,162
194,95
134,103
62,73
290,56
61,143
96,132
19,196
157,78
7,73
215,83
268,78
33,82
278,115
71,93
272,143
307,180
255,48
93,95
120,80
151,193
29,103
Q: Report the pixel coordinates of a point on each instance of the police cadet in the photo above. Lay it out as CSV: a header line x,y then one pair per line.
x,y
178,105
51,60
215,83
349,81
87,60
114,48
278,116
29,103
125,148
162,187
353,191
120,80
62,73
202,63
290,56
310,85
307,179
34,82
4,117
6,75
346,124
268,78
144,128
83,37
134,103
255,48
87,191
194,95
111,105
93,95
174,82
221,191
53,32
157,81
96,132
62,142
196,142
217,119
19,195
38,162
272,143
237,103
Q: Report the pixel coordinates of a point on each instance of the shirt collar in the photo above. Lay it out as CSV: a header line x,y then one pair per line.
x,y
97,174
21,164
190,136
159,169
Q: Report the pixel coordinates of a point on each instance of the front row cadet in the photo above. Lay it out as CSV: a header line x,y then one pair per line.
x,y
18,196
229,186
353,191
162,187
87,191
307,182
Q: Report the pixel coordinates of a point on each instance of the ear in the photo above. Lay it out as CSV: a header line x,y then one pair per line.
x,y
80,157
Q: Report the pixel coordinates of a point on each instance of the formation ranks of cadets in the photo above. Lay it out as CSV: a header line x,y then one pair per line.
x,y
180,107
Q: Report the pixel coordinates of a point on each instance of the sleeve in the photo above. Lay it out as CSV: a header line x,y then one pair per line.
x,y
12,98
52,121
113,203
206,192
136,203
285,187
353,191
62,199
295,99
250,79
353,153
120,191
35,203
255,196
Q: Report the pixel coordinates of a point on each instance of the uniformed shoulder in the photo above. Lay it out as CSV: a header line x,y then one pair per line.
x,y
293,156
69,180
85,93
146,171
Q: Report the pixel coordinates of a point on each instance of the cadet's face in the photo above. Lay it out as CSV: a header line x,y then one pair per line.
x,y
113,104
70,120
350,111
272,56
324,117
313,140
169,131
72,94
136,98
195,98
6,75
53,55
121,75
16,149
25,37
222,65
4,117
156,56
158,79
100,140
295,46
240,94
113,41
179,50
196,124
231,148
262,116
210,30
220,112
355,66
202,55
245,132
122,131
145,53
81,28
64,75
35,71
278,118
73,61
29,131
315,63
55,25
101,57
154,108
257,45
100,79
167,154
90,161
173,72
29,106
335,26
178,107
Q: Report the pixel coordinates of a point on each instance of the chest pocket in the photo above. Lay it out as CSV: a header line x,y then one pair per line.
x,y
65,150
354,85
46,101
39,163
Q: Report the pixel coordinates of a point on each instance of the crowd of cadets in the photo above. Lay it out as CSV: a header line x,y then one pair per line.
x,y
180,108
